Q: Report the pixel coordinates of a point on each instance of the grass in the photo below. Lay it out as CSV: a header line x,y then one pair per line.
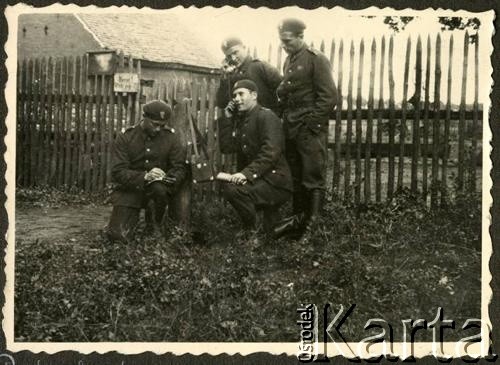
x,y
394,261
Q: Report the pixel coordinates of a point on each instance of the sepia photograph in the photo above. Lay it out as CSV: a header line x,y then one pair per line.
x,y
283,179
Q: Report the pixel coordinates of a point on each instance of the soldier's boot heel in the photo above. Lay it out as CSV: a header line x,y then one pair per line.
x,y
290,226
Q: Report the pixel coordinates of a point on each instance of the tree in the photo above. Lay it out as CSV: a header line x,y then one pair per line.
x,y
461,23
398,23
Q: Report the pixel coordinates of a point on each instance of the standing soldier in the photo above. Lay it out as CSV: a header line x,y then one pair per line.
x,y
255,134
307,95
237,65
148,164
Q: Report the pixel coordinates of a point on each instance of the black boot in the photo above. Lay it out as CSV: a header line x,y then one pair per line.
x,y
293,225
316,197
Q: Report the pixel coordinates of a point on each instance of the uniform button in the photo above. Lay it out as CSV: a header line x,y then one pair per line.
x,y
274,171
147,161
147,150
254,176
288,82
244,146
290,70
243,135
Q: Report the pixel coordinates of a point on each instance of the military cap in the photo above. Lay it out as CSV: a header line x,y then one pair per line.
x,y
246,84
157,110
230,42
293,25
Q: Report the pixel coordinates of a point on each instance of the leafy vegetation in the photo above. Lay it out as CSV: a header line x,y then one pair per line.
x,y
394,261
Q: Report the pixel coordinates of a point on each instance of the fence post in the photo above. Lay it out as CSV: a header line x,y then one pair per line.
x,y
435,126
180,209
390,176
378,167
416,119
461,122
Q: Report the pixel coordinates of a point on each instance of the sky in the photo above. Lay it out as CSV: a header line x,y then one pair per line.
x,y
258,28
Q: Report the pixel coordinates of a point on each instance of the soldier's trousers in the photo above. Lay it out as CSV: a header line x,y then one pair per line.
x,y
306,155
124,219
246,199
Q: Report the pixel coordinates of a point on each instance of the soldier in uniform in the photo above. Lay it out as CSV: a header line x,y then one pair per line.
x,y
255,134
148,164
307,96
237,65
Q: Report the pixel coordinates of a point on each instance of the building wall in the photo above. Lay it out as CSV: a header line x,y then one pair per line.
x,y
166,76
54,35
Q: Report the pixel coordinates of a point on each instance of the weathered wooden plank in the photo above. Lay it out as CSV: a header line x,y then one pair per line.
x,y
369,124
338,122
447,121
475,120
202,122
62,121
110,131
82,90
359,130
390,175
378,165
35,123
211,130
322,46
96,133
332,52
347,176
89,132
404,107
55,91
180,209
269,51
137,104
69,122
42,120
425,144
280,55
416,121
25,124
461,122
130,100
120,97
436,122
102,135
19,126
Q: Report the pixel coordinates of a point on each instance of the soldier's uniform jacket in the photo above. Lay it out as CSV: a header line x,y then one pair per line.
x,y
307,93
266,77
135,153
257,139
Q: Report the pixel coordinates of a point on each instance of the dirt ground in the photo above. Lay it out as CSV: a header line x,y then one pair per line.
x,y
55,223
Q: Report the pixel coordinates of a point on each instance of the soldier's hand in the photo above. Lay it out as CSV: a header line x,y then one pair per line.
x,y
238,179
229,109
154,174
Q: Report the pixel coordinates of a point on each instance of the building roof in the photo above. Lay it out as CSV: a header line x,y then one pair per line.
x,y
152,37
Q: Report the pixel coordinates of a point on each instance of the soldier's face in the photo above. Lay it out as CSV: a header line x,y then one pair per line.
x,y
152,127
244,99
235,55
291,42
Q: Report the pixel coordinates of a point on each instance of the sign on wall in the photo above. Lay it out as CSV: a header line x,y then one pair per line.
x,y
126,82
102,62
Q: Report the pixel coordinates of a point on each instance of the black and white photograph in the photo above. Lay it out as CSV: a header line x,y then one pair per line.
x,y
314,182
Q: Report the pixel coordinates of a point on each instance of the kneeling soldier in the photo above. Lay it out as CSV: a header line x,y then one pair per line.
x,y
148,164
255,134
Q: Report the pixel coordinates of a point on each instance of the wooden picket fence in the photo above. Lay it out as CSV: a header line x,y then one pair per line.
x,y
67,122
